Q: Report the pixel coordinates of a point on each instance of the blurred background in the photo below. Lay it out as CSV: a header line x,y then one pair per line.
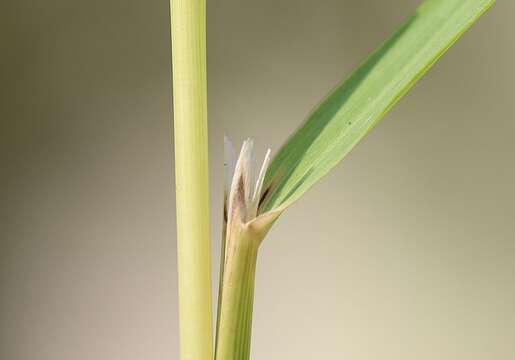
x,y
406,250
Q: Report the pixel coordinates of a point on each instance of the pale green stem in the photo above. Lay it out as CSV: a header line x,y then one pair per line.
x,y
191,170
235,323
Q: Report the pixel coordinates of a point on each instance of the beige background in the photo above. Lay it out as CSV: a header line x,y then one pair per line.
x,y
405,251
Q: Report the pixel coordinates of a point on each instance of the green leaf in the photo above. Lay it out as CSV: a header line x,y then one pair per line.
x,y
354,107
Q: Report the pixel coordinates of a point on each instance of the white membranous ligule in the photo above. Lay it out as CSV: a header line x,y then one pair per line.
x,y
243,183
229,164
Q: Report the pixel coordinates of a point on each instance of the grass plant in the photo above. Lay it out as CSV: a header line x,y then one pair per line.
x,y
255,197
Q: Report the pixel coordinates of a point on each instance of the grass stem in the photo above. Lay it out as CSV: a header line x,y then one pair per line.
x,y
191,169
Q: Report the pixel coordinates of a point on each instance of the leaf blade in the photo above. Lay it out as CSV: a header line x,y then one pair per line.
x,y
354,107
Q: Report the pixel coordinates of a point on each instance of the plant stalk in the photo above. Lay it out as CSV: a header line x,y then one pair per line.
x,y
235,313
191,175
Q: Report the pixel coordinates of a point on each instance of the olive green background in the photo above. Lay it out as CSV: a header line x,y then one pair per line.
x,y
405,251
